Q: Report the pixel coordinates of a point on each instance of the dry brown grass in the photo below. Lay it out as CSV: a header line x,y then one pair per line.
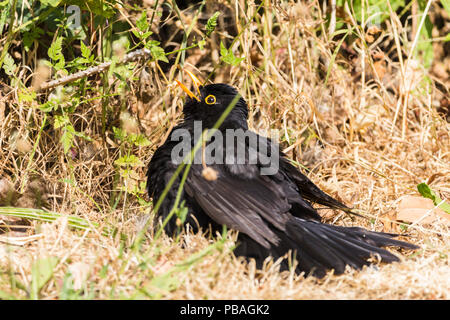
x,y
344,132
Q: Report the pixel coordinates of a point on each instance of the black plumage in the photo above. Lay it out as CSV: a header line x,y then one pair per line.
x,y
273,213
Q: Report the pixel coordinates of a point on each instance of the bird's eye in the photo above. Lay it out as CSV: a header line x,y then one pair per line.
x,y
210,99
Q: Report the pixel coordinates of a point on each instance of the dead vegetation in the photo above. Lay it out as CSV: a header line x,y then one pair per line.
x,y
364,117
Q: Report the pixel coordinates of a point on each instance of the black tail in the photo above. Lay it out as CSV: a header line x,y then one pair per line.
x,y
320,247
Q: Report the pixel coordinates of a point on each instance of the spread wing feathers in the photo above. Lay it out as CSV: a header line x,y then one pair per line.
x,y
320,247
247,205
334,247
263,153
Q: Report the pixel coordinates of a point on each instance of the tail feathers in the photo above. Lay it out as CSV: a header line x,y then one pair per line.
x,y
321,247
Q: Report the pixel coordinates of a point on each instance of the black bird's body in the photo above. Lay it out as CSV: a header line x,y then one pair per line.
x,y
272,213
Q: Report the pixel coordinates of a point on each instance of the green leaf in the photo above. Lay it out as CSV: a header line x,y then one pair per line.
x,y
55,53
5,11
129,160
212,23
30,36
82,135
139,140
201,44
55,50
427,192
41,273
378,9
228,57
27,95
425,45
53,3
60,64
99,8
142,23
9,65
119,133
145,35
136,33
85,51
60,121
67,137
158,53
446,5
182,212
48,106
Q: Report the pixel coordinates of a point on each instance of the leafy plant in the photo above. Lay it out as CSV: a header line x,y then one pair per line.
x,y
227,56
427,192
143,34
128,163
378,11
212,23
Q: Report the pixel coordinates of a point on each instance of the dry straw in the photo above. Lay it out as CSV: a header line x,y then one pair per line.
x,y
346,132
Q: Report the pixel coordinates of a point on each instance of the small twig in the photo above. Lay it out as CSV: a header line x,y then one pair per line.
x,y
332,19
132,56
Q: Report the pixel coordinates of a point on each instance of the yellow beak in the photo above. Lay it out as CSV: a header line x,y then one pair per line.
x,y
197,84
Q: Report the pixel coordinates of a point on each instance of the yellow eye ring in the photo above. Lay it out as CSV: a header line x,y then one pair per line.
x,y
210,99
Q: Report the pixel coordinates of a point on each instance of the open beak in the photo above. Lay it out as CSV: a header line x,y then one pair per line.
x,y
197,84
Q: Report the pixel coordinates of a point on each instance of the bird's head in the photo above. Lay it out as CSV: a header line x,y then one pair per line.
x,y
209,102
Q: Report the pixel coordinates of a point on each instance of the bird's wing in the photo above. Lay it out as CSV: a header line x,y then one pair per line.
x,y
307,188
249,205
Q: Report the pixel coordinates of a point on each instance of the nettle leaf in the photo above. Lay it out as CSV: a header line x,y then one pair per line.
x,y
60,121
136,33
142,23
53,3
119,133
129,160
145,35
158,52
182,212
26,95
55,53
4,13
30,36
201,44
228,56
446,5
67,137
378,7
8,65
427,192
60,64
55,50
82,135
48,106
85,51
139,140
212,23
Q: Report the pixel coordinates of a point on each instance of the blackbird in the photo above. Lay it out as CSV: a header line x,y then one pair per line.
x,y
272,211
